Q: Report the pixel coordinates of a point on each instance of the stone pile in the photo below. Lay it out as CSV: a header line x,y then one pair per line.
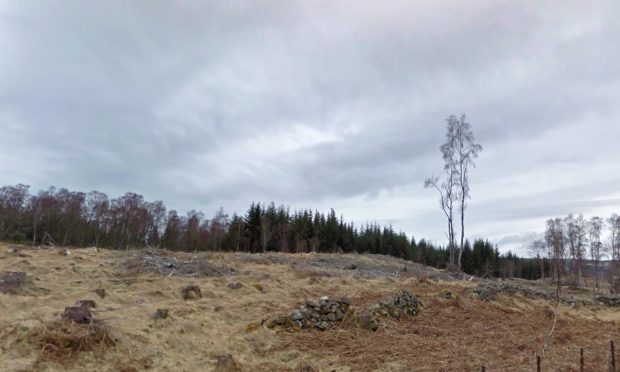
x,y
322,315
489,290
326,313
608,300
395,306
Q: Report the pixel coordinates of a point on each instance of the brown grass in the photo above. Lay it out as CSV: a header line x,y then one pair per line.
x,y
62,341
463,335
450,335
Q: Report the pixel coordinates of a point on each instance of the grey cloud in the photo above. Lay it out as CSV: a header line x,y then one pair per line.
x,y
313,103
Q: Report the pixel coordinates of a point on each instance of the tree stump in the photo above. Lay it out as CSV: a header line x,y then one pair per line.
x,y
78,314
86,303
12,282
191,292
161,314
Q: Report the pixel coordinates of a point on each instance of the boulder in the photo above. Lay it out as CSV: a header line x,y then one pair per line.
x,y
367,321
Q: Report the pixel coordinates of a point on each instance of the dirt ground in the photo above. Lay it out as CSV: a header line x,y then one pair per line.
x,y
461,333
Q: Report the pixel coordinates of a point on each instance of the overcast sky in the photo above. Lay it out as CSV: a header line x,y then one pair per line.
x,y
317,104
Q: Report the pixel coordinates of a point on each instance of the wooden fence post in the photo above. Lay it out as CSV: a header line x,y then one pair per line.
x,y
581,361
613,356
538,363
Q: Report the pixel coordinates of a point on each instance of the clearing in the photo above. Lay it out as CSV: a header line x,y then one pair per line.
x,y
462,324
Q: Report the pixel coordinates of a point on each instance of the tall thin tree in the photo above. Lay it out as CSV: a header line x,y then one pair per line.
x,y
459,152
595,229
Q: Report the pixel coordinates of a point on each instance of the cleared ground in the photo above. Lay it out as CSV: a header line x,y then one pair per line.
x,y
451,334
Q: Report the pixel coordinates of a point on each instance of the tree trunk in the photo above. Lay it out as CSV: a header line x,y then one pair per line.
x,y
34,232
462,228
542,269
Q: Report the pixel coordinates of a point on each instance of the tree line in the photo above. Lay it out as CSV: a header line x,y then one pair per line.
x,y
72,218
573,244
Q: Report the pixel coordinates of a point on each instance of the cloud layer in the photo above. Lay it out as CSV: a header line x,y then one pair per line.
x,y
317,104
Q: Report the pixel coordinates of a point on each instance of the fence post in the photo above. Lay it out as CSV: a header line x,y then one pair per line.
x,y
537,363
581,361
613,356
483,369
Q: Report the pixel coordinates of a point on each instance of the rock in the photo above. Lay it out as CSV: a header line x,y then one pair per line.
x,y
281,320
322,326
344,300
100,292
447,295
86,303
608,300
161,314
366,321
296,315
235,285
218,308
226,363
350,267
191,292
78,314
312,304
66,252
258,287
339,314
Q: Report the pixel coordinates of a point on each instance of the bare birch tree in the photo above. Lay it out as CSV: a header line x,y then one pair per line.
x,y
447,198
554,235
576,235
595,229
537,249
459,152
614,251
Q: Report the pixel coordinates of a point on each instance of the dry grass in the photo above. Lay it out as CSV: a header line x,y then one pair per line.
x,y
451,335
62,341
465,334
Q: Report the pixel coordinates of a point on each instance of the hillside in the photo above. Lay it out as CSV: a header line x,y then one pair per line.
x,y
461,325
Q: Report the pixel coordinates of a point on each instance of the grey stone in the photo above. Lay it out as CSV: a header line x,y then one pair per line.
x,y
322,326
296,315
